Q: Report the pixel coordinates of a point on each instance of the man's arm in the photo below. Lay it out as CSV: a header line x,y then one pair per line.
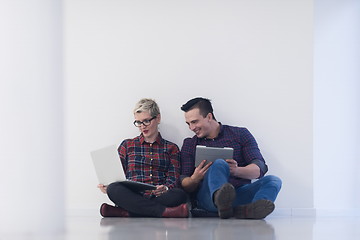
x,y
252,156
191,183
251,171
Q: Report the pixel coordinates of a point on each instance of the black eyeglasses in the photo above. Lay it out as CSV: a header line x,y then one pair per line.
x,y
146,122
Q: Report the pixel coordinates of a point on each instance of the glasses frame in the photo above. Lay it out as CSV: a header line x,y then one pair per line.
x,y
148,122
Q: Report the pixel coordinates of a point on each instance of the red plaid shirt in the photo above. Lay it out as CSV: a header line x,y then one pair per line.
x,y
156,163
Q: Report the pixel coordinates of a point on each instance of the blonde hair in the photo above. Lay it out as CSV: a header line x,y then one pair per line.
x,y
147,104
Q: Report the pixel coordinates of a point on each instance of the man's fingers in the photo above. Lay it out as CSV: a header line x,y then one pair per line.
x,y
230,161
201,165
207,166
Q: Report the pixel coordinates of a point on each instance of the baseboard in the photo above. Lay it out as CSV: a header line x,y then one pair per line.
x,y
353,212
294,212
313,212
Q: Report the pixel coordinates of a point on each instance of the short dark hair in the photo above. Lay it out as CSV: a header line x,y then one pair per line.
x,y
203,104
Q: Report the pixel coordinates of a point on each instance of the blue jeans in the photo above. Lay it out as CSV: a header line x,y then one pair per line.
x,y
218,174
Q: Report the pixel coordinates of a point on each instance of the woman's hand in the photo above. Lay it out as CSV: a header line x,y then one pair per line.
x,y
102,188
160,189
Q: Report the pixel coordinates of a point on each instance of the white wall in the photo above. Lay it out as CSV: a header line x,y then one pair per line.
x,y
337,106
31,118
252,58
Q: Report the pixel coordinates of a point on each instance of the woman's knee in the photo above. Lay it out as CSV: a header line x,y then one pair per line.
x,y
113,189
174,197
180,195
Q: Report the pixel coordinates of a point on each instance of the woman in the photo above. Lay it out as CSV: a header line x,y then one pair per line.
x,y
151,159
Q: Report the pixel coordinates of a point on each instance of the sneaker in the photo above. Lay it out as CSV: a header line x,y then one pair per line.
x,y
107,210
223,200
256,210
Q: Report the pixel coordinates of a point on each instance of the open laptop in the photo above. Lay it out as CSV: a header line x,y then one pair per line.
x,y
212,153
109,169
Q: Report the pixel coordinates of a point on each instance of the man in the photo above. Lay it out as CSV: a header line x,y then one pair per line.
x,y
225,186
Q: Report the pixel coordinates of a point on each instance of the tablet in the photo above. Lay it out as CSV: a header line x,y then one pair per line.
x,y
212,153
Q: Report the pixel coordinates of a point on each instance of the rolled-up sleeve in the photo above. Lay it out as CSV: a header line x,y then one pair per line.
x,y
262,165
251,152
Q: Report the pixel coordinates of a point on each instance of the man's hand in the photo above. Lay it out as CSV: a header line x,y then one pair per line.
x,y
233,166
191,183
251,171
200,171
102,188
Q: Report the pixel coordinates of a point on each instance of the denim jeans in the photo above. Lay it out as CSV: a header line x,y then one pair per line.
x,y
218,174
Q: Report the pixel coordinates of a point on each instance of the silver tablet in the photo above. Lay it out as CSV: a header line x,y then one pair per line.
x,y
212,153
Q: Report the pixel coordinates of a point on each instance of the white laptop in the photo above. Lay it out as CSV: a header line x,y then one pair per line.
x,y
109,169
212,153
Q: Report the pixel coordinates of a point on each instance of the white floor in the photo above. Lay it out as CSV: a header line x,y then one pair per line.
x,y
279,228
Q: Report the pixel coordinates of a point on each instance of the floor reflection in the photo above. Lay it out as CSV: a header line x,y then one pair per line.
x,y
279,228
186,229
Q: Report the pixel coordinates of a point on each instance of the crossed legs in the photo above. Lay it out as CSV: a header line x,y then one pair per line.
x,y
255,200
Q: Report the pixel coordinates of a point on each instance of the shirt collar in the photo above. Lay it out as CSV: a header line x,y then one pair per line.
x,y
158,139
221,132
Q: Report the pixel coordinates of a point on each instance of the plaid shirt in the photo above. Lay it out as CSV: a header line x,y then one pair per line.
x,y
156,163
246,151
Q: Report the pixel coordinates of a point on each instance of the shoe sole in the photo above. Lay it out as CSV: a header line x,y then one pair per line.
x,y
256,210
224,200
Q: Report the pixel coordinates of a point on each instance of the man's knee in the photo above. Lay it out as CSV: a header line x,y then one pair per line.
x,y
273,181
219,167
220,163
